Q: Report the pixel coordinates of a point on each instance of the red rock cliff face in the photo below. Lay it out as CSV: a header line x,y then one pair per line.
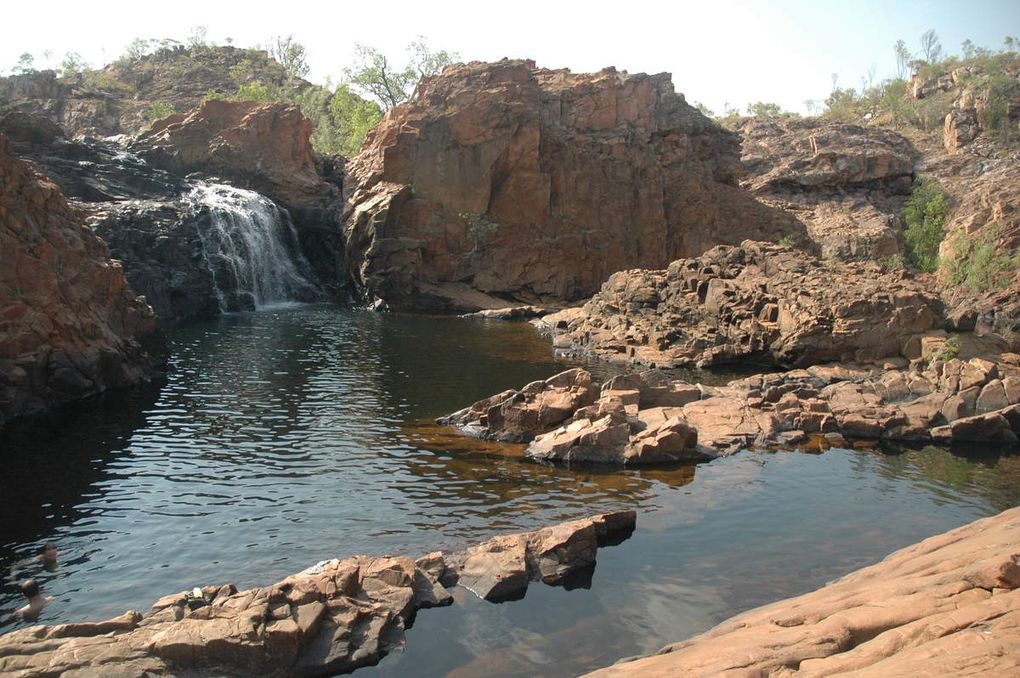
x,y
69,324
535,185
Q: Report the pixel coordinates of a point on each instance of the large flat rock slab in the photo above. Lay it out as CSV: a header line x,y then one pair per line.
x,y
948,606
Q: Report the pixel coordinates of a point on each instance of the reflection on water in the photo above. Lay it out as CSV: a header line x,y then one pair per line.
x,y
283,438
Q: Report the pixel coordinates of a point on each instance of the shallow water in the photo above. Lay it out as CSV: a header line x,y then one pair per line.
x,y
283,438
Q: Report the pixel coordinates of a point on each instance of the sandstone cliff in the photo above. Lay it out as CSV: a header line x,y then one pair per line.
x,y
69,324
948,606
531,185
847,183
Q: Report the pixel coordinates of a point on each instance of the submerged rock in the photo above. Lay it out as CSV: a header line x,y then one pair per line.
x,y
533,185
331,618
757,302
69,324
949,605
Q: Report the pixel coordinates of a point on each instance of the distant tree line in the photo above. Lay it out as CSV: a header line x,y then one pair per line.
x,y
342,113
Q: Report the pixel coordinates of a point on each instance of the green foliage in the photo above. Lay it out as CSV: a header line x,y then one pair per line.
x,y
254,91
704,110
786,241
925,216
72,64
480,228
761,109
198,37
949,350
213,95
980,265
26,64
290,54
892,263
352,117
158,110
377,78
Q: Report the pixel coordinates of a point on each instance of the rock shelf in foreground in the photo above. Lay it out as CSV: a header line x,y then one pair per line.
x,y
650,418
332,618
947,606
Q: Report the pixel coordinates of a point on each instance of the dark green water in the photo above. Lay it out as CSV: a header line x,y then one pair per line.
x,y
286,437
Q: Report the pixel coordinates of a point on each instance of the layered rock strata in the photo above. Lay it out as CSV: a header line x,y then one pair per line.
x,y
69,324
947,606
847,183
533,186
756,302
648,417
332,618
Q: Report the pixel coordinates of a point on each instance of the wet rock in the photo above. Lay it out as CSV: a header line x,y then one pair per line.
x,y
331,618
69,324
533,185
511,313
949,605
518,416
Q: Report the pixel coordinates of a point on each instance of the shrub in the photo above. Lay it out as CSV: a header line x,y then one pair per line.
x,y
253,91
480,228
980,265
925,216
159,110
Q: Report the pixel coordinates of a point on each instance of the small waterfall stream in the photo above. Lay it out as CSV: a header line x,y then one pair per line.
x,y
251,250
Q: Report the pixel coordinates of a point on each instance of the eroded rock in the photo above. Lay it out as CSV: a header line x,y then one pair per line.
x,y
69,324
754,303
534,185
331,618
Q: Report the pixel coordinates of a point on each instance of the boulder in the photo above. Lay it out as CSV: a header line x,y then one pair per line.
x,y
949,605
534,185
70,326
753,303
518,416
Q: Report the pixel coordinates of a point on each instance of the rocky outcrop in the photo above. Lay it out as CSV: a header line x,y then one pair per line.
x,y
69,324
648,417
949,605
118,98
332,618
263,147
846,183
753,303
533,186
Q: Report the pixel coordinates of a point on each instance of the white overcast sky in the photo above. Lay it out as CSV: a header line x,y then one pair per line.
x,y
722,51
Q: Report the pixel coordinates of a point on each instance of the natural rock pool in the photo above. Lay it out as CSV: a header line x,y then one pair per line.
x,y
289,436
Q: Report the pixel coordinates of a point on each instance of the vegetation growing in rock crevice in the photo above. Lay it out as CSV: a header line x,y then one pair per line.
x,y
979,263
925,216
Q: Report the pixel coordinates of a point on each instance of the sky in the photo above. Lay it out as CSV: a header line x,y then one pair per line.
x,y
720,53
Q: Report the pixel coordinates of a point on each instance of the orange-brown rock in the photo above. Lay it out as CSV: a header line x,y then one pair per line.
x,y
757,302
331,618
263,146
533,186
948,606
846,183
69,324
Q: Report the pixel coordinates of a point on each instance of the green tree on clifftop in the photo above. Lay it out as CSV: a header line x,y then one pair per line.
x,y
376,77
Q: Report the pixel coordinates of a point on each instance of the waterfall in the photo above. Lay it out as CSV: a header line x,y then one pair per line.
x,y
251,249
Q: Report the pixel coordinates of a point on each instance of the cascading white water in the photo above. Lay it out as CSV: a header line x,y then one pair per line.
x,y
251,250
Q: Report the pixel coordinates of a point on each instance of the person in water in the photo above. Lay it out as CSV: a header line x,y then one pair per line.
x,y
48,556
31,591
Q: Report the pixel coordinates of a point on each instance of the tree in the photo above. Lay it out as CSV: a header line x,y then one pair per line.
x,y
376,77
26,64
290,54
704,110
197,37
903,59
72,63
931,47
352,117
761,109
